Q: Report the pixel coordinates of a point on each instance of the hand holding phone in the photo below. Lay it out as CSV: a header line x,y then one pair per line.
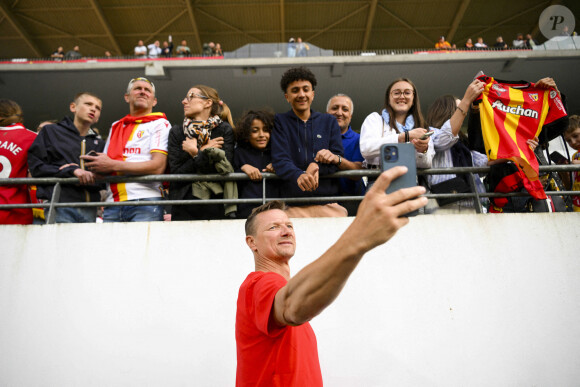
x,y
400,154
427,135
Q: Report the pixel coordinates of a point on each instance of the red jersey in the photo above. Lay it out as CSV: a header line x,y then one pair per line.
x,y
15,140
511,114
270,355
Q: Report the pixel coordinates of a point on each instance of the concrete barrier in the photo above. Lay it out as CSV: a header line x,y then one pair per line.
x,y
452,300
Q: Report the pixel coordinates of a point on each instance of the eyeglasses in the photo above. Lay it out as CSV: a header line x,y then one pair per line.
x,y
397,93
192,95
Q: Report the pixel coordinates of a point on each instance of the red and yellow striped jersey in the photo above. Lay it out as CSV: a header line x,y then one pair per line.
x,y
512,113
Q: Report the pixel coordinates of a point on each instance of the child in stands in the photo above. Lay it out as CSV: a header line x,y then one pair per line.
x,y
252,156
572,137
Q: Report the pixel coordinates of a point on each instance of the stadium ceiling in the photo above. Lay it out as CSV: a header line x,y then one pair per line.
x,y
35,28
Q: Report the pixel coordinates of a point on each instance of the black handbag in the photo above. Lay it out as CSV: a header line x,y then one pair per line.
x,y
454,185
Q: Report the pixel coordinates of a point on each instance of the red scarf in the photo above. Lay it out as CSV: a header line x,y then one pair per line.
x,y
122,130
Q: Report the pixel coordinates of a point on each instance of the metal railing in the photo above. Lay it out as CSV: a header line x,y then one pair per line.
x,y
470,171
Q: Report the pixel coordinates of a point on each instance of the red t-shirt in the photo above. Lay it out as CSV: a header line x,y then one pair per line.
x,y
15,140
270,355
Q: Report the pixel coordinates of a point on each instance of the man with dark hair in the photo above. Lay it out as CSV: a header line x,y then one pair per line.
x,y
298,137
73,54
275,342
57,152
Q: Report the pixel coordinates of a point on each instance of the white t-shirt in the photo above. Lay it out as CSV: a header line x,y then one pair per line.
x,y
375,132
154,51
140,51
145,139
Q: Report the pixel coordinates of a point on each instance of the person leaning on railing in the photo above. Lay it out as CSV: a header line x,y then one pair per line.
x,y
299,139
56,152
253,156
15,140
203,144
399,121
445,116
137,145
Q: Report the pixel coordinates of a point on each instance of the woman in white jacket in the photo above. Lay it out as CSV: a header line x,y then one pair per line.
x,y
400,121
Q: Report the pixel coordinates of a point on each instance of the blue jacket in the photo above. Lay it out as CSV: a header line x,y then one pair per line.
x,y
57,145
294,146
351,144
248,189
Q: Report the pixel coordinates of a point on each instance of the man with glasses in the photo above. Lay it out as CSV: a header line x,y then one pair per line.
x,y
137,145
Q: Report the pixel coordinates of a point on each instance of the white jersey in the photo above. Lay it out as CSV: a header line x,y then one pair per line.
x,y
144,140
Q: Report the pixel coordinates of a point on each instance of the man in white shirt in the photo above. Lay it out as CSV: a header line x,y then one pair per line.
x,y
140,50
137,145
154,50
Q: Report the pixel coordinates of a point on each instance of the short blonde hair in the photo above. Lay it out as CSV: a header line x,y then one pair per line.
x,y
573,124
251,221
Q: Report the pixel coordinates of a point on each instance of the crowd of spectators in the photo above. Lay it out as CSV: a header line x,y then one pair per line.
x,y
519,43
295,47
153,50
165,49
299,146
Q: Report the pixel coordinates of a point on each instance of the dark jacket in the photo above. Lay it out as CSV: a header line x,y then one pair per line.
x,y
248,189
59,144
295,143
167,52
181,162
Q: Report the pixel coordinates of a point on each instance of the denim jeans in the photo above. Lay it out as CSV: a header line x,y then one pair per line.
x,y
134,213
76,215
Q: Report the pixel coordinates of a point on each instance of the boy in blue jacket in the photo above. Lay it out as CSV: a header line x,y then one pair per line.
x,y
298,138
56,152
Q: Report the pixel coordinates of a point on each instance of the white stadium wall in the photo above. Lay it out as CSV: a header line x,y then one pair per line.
x,y
451,301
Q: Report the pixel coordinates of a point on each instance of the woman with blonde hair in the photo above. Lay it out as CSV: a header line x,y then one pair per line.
x,y
203,144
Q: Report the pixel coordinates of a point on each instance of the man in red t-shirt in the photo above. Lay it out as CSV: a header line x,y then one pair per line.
x,y
275,343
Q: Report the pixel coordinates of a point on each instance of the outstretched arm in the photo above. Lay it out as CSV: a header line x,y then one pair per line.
x,y
379,217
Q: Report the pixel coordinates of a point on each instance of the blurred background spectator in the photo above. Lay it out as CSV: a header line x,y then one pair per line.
x,y
183,50
58,55
167,50
140,50
500,44
73,54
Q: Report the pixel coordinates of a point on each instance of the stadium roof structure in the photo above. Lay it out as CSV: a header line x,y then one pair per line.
x,y
35,28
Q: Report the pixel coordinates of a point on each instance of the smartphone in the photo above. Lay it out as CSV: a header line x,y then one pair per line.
x,y
92,153
393,155
558,158
427,135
